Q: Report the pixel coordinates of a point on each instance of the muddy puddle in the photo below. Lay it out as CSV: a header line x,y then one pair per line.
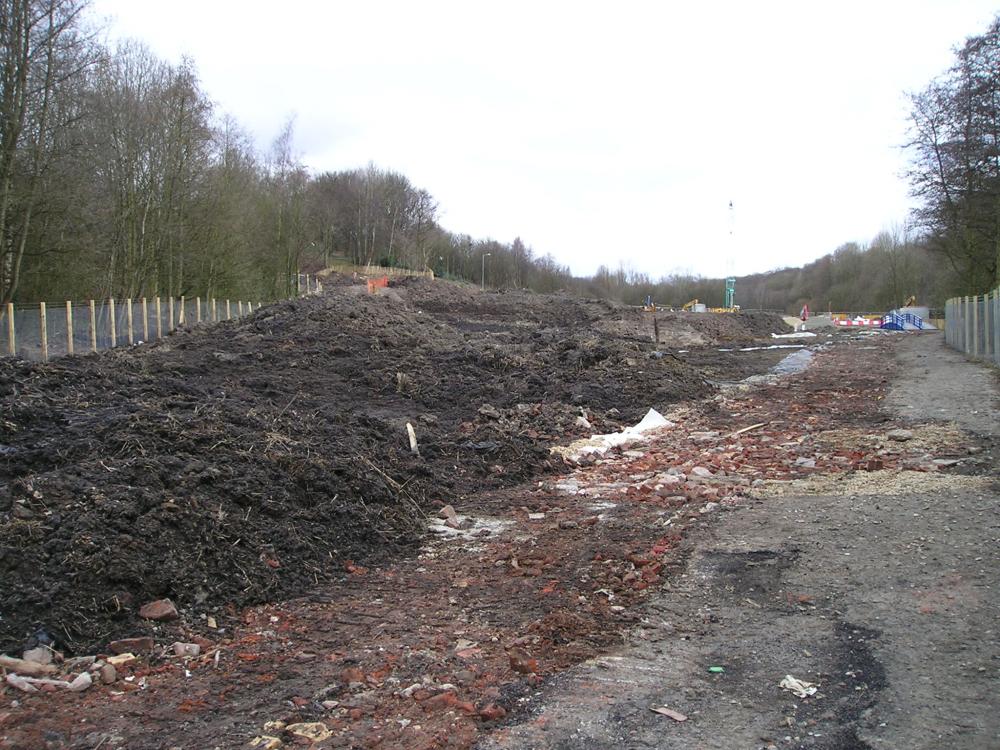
x,y
795,362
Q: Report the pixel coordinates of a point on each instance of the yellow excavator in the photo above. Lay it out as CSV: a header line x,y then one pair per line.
x,y
688,305
911,301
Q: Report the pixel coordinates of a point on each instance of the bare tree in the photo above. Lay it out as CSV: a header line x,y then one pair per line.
x,y
956,160
43,52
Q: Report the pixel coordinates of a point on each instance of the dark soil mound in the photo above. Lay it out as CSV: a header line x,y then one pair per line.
x,y
248,461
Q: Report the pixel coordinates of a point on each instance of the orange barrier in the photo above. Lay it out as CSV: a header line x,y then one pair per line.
x,y
379,283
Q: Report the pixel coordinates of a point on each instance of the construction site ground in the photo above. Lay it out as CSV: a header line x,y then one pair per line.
x,y
836,523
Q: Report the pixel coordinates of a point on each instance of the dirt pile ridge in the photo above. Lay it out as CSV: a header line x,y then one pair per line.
x,y
250,461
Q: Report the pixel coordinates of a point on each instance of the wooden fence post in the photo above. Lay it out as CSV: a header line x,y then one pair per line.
x,y
197,309
69,327
93,326
229,311
239,308
128,319
11,341
215,311
181,317
159,319
114,323
43,331
145,321
170,313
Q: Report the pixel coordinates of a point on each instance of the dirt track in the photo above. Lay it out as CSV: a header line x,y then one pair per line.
x,y
880,588
569,607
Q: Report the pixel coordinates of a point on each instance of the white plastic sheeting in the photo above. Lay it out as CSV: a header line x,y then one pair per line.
x,y
601,444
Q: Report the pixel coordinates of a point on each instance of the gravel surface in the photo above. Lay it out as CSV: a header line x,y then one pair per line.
x,y
881,590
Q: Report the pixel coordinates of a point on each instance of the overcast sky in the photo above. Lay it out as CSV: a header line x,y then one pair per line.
x,y
602,133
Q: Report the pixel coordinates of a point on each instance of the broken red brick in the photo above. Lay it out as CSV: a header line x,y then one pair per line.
x,y
492,712
521,661
352,674
354,569
131,645
161,609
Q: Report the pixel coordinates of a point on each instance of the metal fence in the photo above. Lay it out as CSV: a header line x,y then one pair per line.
x,y
42,331
972,325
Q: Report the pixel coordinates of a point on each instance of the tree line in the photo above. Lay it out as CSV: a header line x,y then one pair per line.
x,y
872,277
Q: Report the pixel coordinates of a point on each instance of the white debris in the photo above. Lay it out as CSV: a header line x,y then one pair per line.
x,y
801,688
601,444
795,335
31,684
469,527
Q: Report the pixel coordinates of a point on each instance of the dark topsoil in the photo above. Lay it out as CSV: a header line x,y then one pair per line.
x,y
248,461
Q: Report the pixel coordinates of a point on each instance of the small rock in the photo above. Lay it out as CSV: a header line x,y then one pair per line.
x,y
352,674
584,423
79,663
311,730
22,512
490,411
131,645
805,463
107,674
21,683
669,479
568,524
701,471
945,462
186,649
521,661
900,436
409,691
38,655
81,683
264,742
492,712
703,437
536,516
447,512
161,609
120,660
